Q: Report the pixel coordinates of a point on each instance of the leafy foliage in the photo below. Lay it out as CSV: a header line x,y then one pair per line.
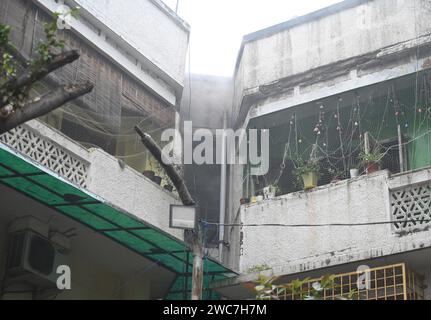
x,y
46,50
258,268
7,63
374,156
267,290
304,167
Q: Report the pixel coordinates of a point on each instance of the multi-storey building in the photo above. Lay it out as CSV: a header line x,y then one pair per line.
x,y
332,85
72,183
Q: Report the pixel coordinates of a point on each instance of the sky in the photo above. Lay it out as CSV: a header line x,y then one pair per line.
x,y
217,27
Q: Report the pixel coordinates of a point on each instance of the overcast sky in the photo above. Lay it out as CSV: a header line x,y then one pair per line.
x,y
218,26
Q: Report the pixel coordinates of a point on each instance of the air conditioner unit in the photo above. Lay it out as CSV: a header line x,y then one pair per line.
x,y
33,258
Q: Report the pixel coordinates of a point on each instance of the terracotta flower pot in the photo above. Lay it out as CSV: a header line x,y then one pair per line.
x,y
372,167
354,173
310,180
242,201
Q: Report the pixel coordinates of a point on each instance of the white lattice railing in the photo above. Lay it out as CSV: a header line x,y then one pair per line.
x,y
47,153
411,206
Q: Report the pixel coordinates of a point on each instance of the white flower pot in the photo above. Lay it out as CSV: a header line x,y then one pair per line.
x,y
354,173
269,192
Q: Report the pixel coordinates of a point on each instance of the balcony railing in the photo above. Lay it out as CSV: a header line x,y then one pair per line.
x,y
47,153
394,282
411,205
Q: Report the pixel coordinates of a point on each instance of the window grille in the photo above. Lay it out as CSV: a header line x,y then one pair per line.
x,y
47,153
411,206
395,282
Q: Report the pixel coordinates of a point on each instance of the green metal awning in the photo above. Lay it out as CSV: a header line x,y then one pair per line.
x,y
35,181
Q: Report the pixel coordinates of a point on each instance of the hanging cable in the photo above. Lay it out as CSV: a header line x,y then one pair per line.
x,y
319,225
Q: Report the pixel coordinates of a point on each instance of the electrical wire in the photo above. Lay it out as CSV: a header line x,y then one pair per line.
x,y
318,225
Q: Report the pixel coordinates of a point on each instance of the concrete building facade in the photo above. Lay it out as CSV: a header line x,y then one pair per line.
x,y
77,173
338,74
135,83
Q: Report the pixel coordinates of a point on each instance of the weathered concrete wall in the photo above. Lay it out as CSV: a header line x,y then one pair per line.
x,y
131,191
352,44
299,249
326,39
338,49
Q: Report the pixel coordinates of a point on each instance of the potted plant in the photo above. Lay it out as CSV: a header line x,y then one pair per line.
x,y
270,192
307,174
371,161
259,196
354,173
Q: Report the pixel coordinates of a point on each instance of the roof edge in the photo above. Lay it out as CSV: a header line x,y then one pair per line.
x,y
321,13
172,14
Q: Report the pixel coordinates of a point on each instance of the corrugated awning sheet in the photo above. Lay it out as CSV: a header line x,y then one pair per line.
x,y
38,183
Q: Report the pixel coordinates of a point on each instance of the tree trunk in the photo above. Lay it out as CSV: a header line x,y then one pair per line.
x,y
192,237
172,173
45,104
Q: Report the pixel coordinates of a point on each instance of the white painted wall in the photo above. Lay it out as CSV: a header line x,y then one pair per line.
x,y
155,32
291,250
131,191
142,37
125,188
352,32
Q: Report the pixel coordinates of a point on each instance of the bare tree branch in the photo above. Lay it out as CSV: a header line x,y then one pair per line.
x,y
172,173
31,75
44,104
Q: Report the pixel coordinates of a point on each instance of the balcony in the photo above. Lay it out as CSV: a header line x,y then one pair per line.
x,y
352,220
394,282
96,171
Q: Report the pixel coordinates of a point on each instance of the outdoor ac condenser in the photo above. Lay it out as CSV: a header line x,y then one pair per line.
x,y
33,258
